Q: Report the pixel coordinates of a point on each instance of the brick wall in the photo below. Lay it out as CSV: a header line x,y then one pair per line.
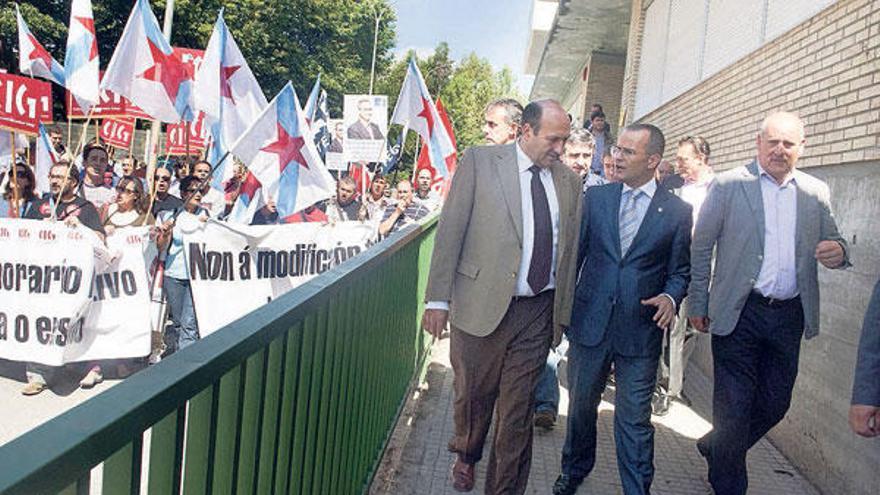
x,y
827,70
604,84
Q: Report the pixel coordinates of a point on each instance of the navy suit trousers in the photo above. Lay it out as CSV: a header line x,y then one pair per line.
x,y
635,377
755,370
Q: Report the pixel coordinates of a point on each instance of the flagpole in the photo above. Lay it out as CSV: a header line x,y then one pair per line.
x,y
375,43
155,128
69,131
14,175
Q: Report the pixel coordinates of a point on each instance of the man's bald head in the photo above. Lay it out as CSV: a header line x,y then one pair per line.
x,y
545,128
780,144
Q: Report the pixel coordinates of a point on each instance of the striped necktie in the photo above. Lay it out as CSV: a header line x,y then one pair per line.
x,y
629,219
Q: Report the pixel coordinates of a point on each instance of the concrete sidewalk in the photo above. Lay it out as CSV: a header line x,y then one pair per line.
x,y
417,461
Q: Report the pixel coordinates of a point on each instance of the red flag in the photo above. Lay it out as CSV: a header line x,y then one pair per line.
x,y
424,162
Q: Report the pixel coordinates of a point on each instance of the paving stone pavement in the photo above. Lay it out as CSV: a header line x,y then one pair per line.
x,y
417,461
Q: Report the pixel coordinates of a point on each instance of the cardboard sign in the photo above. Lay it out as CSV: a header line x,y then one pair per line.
x,y
176,136
117,132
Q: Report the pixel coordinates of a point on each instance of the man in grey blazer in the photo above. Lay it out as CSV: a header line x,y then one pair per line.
x,y
502,273
864,414
768,224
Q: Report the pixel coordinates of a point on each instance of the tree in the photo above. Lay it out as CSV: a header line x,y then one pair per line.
x,y
281,39
465,87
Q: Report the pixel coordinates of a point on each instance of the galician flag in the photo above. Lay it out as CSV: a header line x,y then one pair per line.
x,y
312,102
45,158
33,59
279,152
81,57
415,110
144,69
227,92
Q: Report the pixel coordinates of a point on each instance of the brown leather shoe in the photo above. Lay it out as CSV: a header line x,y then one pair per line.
x,y
545,419
33,388
462,476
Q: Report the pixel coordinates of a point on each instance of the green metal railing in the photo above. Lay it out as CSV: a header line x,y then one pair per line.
x,y
299,396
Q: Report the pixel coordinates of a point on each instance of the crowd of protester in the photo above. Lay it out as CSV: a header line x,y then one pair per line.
x,y
95,191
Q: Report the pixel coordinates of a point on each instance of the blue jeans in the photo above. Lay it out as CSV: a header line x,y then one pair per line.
x,y
184,329
547,391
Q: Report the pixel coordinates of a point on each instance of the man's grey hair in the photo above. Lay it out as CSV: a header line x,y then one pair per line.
x,y
656,140
784,115
512,110
579,135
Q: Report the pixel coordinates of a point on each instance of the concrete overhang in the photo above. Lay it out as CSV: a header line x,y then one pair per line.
x,y
556,54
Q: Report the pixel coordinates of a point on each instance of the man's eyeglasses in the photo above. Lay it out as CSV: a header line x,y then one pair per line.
x,y
615,150
162,178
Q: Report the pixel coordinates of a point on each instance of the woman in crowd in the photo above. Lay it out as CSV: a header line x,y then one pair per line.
x,y
130,207
25,183
169,238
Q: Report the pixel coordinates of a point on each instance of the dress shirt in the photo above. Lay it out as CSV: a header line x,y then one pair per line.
x,y
643,203
648,189
778,276
523,162
694,194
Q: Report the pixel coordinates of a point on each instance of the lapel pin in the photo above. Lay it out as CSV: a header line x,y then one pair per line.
x,y
660,209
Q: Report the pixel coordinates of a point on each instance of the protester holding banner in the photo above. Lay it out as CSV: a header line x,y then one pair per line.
x,y
18,195
129,209
344,207
95,160
163,200
72,209
405,212
169,236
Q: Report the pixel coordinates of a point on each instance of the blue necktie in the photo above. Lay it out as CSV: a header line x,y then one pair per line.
x,y
629,219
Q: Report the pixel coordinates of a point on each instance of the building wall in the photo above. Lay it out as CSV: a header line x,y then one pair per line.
x,y
827,69
604,83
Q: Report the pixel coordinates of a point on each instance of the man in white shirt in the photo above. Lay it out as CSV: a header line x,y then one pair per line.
x,y
767,224
501,274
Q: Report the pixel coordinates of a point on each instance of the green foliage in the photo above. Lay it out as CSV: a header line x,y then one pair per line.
x,y
465,88
281,39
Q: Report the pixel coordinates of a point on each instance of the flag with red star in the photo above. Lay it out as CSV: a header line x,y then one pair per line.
x,y
81,57
416,110
146,70
439,183
45,157
33,59
227,92
279,151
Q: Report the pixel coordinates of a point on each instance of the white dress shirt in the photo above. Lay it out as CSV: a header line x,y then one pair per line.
x,y
695,193
778,276
523,162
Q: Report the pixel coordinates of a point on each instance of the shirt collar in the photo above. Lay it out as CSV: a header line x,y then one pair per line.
x,y
788,179
647,189
523,162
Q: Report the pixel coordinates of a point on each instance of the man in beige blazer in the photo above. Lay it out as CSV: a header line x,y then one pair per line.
x,y
502,274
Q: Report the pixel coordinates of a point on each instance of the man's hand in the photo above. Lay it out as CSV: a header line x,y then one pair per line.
x,y
434,321
830,254
665,314
700,323
865,420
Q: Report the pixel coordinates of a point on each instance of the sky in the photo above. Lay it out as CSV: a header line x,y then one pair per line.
x,y
496,30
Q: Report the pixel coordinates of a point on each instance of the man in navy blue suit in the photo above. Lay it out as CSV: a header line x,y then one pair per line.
x,y
634,266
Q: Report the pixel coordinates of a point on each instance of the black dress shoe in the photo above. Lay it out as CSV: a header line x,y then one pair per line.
x,y
566,485
703,446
